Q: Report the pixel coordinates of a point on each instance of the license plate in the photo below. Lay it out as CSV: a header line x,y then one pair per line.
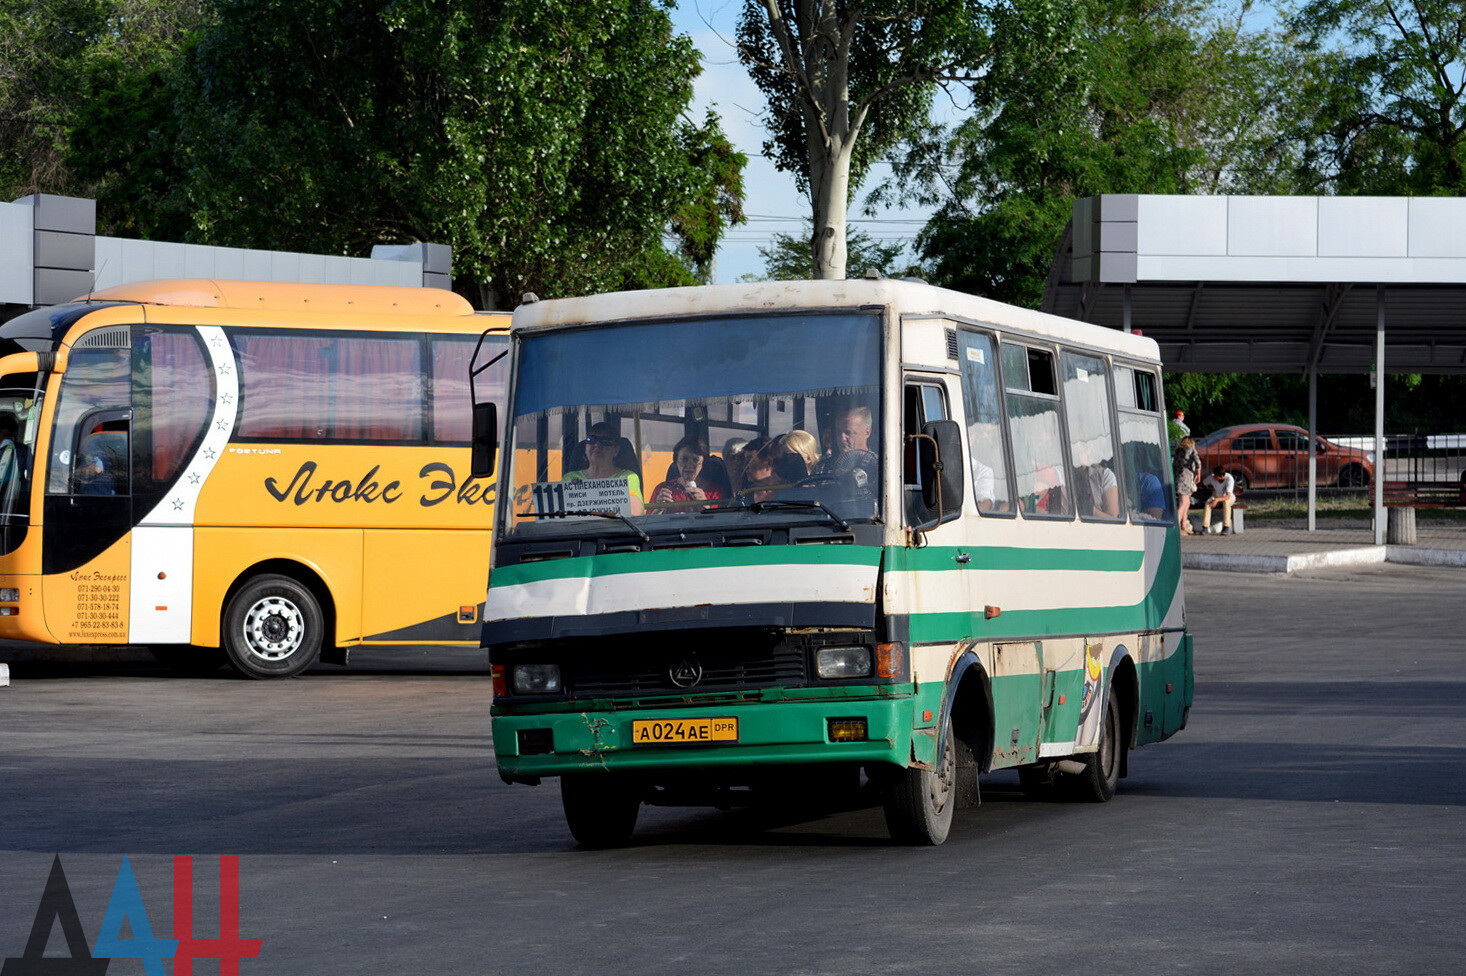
x,y
684,730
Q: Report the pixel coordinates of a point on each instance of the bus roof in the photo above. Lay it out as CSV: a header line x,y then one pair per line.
x,y
282,297
906,297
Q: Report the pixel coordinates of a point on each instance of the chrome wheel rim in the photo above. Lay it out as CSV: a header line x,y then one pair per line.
x,y
274,628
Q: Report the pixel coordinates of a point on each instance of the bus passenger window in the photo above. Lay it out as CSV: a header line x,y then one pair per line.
x,y
984,423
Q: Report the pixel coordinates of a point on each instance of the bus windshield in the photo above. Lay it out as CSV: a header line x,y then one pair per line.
x,y
657,424
20,406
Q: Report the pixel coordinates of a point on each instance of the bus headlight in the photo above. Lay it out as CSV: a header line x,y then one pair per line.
x,y
536,679
9,594
842,662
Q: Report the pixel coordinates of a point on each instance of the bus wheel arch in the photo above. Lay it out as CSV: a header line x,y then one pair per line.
x,y
1125,687
920,802
276,619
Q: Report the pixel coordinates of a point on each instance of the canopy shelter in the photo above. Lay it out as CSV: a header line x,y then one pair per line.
x,y
1275,285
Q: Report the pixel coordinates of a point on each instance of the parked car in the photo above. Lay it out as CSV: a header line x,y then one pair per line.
x,y
1276,456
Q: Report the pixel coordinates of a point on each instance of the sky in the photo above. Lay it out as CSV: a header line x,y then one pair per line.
x,y
772,202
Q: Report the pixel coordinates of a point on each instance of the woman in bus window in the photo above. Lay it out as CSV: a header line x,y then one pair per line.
x,y
601,445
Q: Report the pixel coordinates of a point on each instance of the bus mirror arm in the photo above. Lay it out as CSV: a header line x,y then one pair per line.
x,y
485,439
941,471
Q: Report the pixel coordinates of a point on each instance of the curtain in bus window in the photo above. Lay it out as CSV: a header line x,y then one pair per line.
x,y
338,388
1038,456
984,423
449,400
379,390
173,396
285,389
1147,470
1091,439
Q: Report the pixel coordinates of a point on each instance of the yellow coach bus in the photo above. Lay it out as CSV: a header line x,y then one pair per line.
x,y
266,472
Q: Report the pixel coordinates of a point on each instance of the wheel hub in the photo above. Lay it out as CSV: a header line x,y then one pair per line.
x,y
274,628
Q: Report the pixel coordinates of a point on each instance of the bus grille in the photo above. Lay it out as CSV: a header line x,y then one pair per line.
x,y
692,670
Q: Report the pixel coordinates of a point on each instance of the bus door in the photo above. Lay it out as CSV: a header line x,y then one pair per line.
x,y
88,504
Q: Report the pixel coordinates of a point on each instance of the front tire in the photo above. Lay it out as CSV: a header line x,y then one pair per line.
x,y
919,802
600,808
1353,476
273,628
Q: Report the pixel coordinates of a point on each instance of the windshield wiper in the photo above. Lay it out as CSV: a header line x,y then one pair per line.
x,y
807,503
605,515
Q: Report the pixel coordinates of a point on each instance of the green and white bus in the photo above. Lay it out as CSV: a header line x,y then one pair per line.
x,y
968,562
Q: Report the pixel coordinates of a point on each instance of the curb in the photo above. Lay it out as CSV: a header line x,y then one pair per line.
x,y
1411,555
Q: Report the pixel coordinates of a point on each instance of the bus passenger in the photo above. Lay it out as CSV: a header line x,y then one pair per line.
x,y
601,445
690,454
1152,500
852,450
802,443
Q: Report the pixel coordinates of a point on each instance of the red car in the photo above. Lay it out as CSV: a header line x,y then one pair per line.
x,y
1276,456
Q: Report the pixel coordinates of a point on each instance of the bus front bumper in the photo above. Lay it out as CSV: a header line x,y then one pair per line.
x,y
528,747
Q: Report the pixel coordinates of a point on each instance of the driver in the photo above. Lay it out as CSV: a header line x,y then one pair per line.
x,y
852,455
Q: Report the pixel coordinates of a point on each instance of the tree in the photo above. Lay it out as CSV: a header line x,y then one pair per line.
x,y
1390,95
788,257
1135,96
845,81
545,141
84,105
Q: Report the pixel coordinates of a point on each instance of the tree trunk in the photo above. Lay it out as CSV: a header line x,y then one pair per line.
x,y
831,198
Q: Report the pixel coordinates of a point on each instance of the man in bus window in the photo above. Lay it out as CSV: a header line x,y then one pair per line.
x,y
852,452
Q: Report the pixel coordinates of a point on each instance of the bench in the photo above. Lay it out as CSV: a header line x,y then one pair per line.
x,y
1425,494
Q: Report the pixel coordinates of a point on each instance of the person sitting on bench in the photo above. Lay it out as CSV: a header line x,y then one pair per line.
x,y
1222,486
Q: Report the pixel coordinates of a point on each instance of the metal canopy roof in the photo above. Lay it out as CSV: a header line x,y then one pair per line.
x,y
1272,284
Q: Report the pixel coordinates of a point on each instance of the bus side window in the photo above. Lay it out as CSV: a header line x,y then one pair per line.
x,y
95,398
924,402
102,463
988,462
1033,428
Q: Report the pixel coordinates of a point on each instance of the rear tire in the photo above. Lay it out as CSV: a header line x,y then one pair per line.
x,y
919,802
1102,767
273,628
600,808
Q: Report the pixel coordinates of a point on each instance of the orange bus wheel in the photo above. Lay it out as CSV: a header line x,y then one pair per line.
x,y
273,628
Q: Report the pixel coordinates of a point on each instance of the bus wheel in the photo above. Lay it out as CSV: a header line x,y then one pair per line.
x,y
919,802
273,628
600,808
185,659
1101,768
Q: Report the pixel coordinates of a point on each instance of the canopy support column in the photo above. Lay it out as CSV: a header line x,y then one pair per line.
x,y
1378,483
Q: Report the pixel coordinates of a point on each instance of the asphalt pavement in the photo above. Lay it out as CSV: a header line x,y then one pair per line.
x,y
1310,819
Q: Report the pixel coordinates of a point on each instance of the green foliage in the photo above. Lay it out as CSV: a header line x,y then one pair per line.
x,y
1390,116
1088,97
844,82
787,258
544,141
84,103
1345,402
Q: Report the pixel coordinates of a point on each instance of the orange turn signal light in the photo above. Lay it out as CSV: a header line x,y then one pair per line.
x,y
888,660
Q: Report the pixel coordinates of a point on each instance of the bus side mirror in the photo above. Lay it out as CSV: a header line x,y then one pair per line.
x,y
485,439
940,457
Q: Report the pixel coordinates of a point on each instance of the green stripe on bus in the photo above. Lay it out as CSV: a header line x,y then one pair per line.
x,y
903,559
741,557
1148,614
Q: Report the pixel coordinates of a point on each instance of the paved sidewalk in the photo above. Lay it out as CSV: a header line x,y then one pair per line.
x,y
1286,545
